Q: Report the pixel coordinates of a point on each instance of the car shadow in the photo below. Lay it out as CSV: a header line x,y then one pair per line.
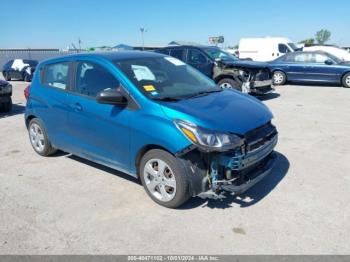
x,y
251,196
246,199
268,96
17,109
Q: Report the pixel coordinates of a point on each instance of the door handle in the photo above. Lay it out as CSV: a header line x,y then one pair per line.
x,y
78,107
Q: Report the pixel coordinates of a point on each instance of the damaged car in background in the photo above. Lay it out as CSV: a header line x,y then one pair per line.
x,y
224,68
159,120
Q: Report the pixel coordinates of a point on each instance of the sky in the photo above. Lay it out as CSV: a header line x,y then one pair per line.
x,y
57,24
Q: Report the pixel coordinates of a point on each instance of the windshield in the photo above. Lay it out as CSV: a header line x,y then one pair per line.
x,y
165,78
216,53
293,46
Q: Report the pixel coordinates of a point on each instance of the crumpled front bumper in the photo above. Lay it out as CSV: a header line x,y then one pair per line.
x,y
261,87
254,177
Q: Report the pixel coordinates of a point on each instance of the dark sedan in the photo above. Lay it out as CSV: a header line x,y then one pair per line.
x,y
310,67
21,69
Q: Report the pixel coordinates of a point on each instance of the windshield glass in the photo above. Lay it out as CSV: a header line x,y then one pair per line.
x,y
216,53
165,77
293,46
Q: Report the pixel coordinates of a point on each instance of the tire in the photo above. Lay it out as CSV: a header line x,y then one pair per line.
x,y
229,83
6,106
279,78
39,139
176,192
346,80
6,76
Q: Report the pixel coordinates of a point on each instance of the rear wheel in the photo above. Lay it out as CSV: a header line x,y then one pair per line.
x,y
346,80
164,178
279,78
229,83
39,139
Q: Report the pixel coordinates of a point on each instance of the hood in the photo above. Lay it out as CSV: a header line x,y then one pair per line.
x,y
3,83
226,111
246,64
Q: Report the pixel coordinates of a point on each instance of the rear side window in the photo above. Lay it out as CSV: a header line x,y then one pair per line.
x,y
56,75
92,78
178,53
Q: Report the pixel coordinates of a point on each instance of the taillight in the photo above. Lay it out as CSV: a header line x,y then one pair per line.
x,y
26,92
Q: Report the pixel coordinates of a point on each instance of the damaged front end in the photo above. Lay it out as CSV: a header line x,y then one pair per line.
x,y
233,170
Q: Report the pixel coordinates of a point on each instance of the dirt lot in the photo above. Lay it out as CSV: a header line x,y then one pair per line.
x,y
64,204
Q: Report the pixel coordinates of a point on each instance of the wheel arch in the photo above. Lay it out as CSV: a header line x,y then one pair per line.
x,y
342,76
223,76
28,119
142,151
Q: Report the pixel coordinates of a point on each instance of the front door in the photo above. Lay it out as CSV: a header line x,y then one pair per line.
x,y
98,131
199,61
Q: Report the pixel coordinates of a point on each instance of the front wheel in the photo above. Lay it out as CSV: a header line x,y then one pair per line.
x,y
279,78
39,139
346,80
164,178
228,83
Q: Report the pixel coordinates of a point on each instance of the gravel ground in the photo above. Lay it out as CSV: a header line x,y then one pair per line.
x,y
67,205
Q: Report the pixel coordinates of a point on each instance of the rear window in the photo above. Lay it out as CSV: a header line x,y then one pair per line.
x,y
56,75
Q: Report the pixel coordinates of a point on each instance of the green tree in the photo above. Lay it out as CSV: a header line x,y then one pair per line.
x,y
323,36
308,42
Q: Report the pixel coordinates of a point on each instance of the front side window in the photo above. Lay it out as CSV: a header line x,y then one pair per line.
x,y
92,78
56,75
195,57
165,77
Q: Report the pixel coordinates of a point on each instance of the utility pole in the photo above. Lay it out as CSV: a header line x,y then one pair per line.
x,y
79,41
143,30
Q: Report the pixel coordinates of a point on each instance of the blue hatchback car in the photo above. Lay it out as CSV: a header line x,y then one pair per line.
x,y
154,118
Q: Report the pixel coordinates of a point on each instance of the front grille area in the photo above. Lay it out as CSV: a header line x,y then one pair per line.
x,y
263,74
260,142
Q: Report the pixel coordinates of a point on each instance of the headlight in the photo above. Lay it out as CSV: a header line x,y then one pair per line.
x,y
206,139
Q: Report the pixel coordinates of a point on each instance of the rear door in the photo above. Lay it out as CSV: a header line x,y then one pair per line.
x,y
98,131
200,61
51,101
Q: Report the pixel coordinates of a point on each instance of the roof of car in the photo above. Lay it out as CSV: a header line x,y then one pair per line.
x,y
188,46
112,56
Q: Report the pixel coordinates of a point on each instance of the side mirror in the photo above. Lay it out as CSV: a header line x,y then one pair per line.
x,y
112,97
328,62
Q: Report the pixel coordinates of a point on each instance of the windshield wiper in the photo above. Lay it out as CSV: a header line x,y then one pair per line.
x,y
203,93
166,99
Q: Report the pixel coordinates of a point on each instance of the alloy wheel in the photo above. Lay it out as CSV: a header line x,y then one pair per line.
x,y
37,138
160,180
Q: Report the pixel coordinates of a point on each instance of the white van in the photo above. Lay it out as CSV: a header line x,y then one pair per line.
x,y
265,49
341,53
